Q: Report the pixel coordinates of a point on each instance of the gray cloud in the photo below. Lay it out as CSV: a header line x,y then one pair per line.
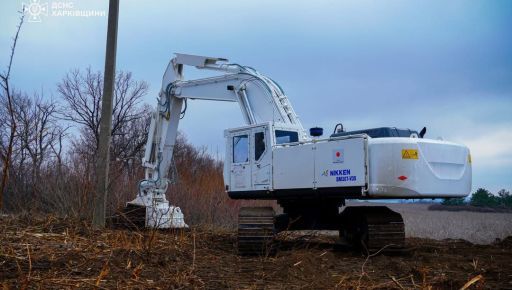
x,y
444,65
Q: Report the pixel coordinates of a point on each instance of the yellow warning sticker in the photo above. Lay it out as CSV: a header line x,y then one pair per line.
x,y
469,158
410,154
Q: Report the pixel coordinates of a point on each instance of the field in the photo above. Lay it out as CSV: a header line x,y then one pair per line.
x,y
54,253
475,227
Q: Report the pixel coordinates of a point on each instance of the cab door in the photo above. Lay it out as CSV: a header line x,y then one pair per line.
x,y
261,157
240,173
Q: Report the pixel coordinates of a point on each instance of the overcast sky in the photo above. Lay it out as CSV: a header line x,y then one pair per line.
x,y
446,65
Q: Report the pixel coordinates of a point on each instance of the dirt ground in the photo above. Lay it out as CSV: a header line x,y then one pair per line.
x,y
52,253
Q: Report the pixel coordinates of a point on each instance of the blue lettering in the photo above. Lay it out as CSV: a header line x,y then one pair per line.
x,y
346,178
342,172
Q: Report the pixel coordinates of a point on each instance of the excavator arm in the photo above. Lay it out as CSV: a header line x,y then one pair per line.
x,y
260,99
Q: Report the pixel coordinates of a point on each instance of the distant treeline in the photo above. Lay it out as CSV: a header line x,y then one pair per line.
x,y
483,198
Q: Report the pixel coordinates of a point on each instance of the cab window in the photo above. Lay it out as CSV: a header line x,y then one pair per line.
x,y
259,145
286,136
240,149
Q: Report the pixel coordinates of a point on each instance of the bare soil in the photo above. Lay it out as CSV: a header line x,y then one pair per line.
x,y
52,253
476,227
467,207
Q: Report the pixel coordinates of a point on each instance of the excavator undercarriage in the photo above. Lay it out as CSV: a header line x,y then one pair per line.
x,y
369,229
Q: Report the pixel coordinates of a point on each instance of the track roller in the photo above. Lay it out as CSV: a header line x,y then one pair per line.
x,y
255,230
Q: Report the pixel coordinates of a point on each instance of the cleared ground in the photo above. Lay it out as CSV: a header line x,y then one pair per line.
x,y
475,227
60,254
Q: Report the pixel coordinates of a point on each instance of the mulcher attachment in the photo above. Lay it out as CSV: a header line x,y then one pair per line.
x,y
158,215
255,230
373,228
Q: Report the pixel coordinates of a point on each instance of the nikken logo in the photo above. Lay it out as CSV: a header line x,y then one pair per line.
x,y
342,172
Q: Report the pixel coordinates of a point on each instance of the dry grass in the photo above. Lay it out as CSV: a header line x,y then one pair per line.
x,y
51,253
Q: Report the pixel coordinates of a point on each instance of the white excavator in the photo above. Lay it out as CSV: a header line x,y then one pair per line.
x,y
273,157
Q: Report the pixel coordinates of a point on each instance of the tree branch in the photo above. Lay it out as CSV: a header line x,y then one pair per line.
x,y
5,85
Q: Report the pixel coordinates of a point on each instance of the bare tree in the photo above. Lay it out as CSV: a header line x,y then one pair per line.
x,y
57,147
82,92
38,130
6,151
132,135
36,149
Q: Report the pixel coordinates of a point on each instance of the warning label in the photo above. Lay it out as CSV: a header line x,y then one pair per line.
x,y
409,154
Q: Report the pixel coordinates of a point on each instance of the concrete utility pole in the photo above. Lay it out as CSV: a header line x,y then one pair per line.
x,y
103,154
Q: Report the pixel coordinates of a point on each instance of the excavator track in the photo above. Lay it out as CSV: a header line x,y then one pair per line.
x,y
255,231
373,228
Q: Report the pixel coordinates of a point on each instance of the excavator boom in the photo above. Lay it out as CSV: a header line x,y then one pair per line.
x,y
260,99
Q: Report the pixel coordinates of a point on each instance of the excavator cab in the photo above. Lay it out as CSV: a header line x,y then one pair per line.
x,y
248,161
248,158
